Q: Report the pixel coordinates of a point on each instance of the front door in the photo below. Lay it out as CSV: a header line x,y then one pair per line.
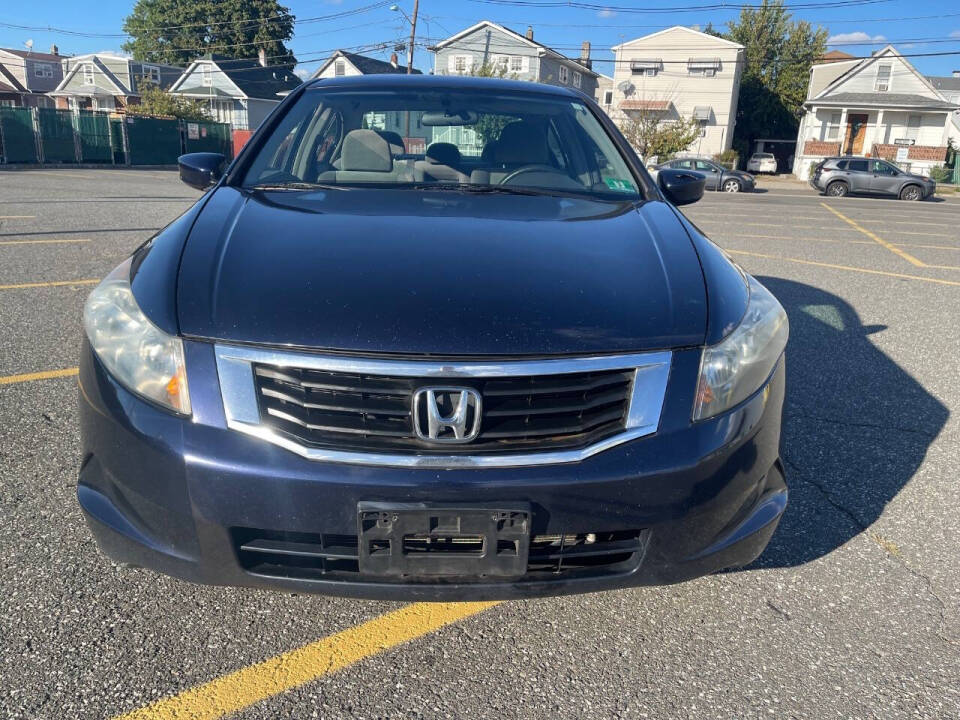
x,y
856,132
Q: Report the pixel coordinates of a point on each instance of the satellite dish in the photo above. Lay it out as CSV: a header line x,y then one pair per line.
x,y
626,87
29,44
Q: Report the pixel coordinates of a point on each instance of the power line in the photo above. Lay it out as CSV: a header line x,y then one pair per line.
x,y
248,21
574,4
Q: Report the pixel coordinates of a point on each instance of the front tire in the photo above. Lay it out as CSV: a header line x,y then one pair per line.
x,y
731,186
837,189
912,193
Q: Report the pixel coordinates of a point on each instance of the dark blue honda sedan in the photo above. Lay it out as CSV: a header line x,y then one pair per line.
x,y
433,338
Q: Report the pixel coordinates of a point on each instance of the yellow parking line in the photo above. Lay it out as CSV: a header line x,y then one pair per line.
x,y
237,690
809,239
42,242
45,375
57,283
845,267
880,241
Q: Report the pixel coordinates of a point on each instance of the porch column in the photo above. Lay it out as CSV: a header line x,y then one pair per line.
x,y
843,131
879,132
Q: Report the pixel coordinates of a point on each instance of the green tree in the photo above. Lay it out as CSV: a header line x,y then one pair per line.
x,y
651,136
777,58
177,31
155,102
488,127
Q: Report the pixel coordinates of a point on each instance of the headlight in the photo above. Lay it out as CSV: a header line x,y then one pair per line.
x,y
138,354
736,367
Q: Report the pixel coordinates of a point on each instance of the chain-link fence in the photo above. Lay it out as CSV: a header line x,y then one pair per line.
x,y
45,135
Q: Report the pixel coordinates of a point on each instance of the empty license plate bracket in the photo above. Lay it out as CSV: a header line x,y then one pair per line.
x,y
436,540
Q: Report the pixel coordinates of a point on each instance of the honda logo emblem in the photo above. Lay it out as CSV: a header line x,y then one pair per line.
x,y
446,414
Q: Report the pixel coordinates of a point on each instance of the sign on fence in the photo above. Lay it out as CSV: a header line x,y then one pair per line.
x,y
193,131
903,154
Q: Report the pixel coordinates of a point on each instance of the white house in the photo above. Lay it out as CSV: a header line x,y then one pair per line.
x,y
347,64
877,107
681,73
238,91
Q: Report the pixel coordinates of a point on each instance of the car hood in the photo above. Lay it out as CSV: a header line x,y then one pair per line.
x,y
448,273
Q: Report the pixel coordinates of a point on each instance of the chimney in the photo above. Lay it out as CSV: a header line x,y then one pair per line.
x,y
54,50
529,32
585,55
393,60
262,57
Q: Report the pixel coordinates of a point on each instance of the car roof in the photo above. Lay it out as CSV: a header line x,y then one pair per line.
x,y
443,82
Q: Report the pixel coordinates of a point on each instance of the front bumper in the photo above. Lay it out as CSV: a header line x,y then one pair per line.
x,y
182,496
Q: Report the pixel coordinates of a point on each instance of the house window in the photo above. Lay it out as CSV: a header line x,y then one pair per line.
x,y
339,68
833,129
577,78
88,74
460,64
703,67
564,74
913,127
206,76
608,97
649,67
516,64
151,73
43,70
883,78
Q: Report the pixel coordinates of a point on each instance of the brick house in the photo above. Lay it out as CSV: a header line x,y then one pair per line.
x,y
875,107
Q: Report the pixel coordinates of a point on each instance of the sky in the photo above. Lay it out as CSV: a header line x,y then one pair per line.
x,y
914,28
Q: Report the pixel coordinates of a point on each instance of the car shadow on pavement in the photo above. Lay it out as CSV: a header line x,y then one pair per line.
x,y
856,426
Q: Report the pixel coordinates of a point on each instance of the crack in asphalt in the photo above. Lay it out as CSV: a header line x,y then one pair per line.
x,y
851,423
896,557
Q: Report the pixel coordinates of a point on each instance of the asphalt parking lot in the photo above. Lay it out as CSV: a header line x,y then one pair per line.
x,y
852,612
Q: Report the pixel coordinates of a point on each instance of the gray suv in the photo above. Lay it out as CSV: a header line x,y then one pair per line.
x,y
841,176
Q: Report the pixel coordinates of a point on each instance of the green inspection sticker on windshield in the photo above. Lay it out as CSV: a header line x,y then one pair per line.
x,y
620,185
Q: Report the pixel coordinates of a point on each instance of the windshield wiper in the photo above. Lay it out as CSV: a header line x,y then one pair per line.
x,y
295,186
478,189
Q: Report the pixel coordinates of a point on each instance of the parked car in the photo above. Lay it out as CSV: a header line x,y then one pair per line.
x,y
459,374
717,176
762,163
839,176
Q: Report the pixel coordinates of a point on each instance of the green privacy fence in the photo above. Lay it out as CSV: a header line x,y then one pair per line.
x,y
45,135
18,141
57,141
208,137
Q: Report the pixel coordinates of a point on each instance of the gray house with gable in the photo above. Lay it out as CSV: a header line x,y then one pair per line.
x,y
520,57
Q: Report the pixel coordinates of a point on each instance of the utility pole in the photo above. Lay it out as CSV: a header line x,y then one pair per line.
x,y
413,37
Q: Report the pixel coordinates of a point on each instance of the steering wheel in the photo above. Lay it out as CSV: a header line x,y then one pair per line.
x,y
528,169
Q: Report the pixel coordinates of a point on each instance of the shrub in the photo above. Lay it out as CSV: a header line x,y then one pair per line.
x,y
941,174
728,158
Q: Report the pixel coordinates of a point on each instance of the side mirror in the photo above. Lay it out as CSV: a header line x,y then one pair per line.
x,y
200,170
681,187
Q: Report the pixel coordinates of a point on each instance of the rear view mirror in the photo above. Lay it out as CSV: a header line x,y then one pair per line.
x,y
442,119
201,170
681,187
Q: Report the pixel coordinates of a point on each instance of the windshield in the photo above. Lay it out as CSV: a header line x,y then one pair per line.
x,y
466,140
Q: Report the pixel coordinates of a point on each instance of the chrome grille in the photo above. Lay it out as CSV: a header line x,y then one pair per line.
x,y
372,413
357,410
